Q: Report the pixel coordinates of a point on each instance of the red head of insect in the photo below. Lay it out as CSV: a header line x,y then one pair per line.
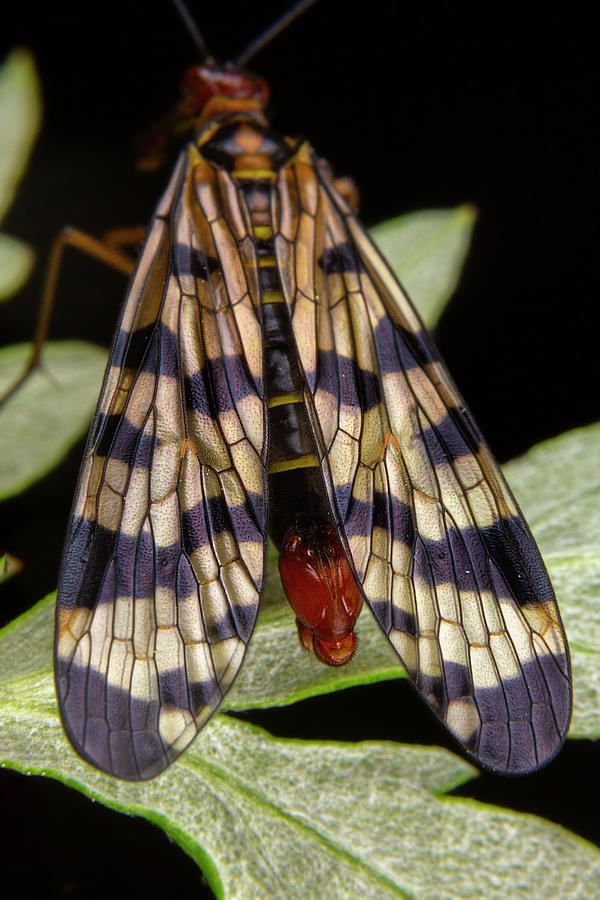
x,y
207,84
209,91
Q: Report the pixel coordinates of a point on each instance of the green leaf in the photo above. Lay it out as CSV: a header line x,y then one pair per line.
x,y
558,486
281,818
426,251
49,412
16,262
20,115
9,566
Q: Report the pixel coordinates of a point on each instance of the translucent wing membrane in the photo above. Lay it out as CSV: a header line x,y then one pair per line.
x,y
164,558
163,564
445,558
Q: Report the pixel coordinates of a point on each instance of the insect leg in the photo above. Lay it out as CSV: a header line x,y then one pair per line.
x,y
118,238
107,251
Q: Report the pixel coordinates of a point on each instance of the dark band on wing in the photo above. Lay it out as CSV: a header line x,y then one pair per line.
x,y
152,348
119,439
220,385
191,261
340,258
213,516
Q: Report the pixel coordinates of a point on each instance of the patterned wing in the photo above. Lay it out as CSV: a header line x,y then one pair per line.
x,y
445,558
163,563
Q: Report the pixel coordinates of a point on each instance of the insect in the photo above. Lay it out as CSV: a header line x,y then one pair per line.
x,y
270,376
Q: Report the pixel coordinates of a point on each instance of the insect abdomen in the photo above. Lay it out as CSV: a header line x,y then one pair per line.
x,y
291,444
252,155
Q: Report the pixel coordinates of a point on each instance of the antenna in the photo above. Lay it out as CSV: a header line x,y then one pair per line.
x,y
252,49
192,28
272,32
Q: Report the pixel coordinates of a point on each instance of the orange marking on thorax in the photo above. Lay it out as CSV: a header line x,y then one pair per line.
x,y
252,161
217,106
248,138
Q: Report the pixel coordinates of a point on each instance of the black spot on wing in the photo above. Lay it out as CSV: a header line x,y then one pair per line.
x,y
343,494
187,583
204,693
485,557
89,574
359,516
167,559
244,616
458,681
213,517
510,544
232,381
87,556
395,617
152,348
556,671
220,385
190,261
394,516
106,564
119,439
341,258
173,688
342,376
449,439
433,689
75,558
399,348
464,557
197,392
434,562
130,348
144,574
385,511
238,622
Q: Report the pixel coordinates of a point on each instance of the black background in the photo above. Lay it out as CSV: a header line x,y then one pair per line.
x,y
425,105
